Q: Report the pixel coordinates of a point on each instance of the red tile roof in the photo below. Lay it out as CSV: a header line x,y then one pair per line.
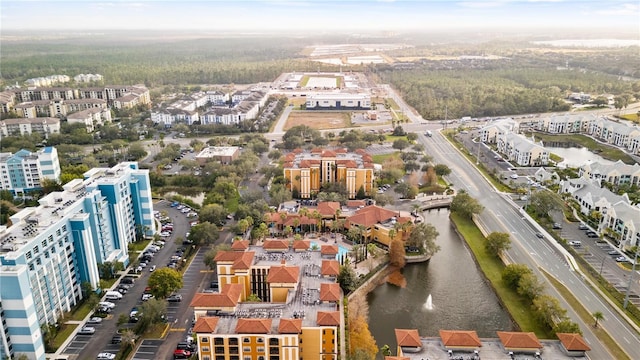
x,y
301,244
240,260
328,153
408,338
330,267
283,274
290,326
275,245
329,249
573,342
240,245
356,203
330,292
341,151
206,325
328,318
519,340
228,297
460,338
370,216
328,208
253,326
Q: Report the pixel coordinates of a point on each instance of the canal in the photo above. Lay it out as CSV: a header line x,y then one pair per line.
x,y
449,292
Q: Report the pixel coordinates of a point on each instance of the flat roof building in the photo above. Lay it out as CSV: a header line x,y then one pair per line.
x,y
50,250
224,154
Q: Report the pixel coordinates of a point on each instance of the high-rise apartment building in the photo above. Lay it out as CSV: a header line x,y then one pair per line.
x,y
50,250
25,171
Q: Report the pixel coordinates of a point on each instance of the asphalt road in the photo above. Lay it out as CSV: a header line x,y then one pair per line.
x,y
501,214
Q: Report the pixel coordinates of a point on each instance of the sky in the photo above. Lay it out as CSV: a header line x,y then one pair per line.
x,y
318,15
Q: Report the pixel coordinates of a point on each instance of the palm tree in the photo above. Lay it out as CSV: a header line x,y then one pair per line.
x,y
318,217
597,316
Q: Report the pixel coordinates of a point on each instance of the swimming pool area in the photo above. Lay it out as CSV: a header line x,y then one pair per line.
x,y
342,251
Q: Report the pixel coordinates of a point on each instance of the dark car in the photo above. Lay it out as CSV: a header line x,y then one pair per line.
x,y
539,235
592,234
116,339
184,346
214,285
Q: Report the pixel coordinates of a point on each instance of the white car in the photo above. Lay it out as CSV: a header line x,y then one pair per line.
x,y
106,356
514,176
165,234
95,320
146,297
87,330
107,304
152,268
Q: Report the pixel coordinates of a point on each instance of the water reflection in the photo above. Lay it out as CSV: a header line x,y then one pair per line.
x,y
575,157
450,284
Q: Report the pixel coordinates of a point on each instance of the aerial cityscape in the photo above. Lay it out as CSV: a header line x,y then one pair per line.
x,y
319,179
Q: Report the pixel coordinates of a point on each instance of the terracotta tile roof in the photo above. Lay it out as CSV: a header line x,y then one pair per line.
x,y
519,340
206,325
253,326
371,215
341,151
297,151
330,292
329,249
328,153
460,338
240,260
287,164
330,267
573,342
240,245
347,163
316,151
301,245
290,326
328,318
275,217
283,274
356,203
302,220
275,245
328,208
290,157
228,297
408,338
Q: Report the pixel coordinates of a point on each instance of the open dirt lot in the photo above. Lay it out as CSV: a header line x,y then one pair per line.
x,y
318,119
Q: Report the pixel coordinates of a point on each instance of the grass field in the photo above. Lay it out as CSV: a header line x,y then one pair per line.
x,y
381,158
608,152
318,119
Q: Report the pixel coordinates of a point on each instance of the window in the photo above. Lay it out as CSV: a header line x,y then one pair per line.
x,y
44,243
36,250
233,341
205,349
204,340
260,340
273,341
28,255
246,349
219,349
206,357
247,357
220,341
58,232
246,340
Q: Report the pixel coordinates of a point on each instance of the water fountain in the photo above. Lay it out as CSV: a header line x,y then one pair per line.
x,y
429,304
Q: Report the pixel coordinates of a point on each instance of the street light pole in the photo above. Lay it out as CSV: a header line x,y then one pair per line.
x,y
633,271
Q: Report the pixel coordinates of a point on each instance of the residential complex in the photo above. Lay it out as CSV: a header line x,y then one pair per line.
x,y
490,133
307,171
25,171
50,250
44,126
299,312
245,104
615,214
620,134
617,173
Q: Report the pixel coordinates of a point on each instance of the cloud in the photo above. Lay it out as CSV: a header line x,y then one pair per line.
x,y
481,4
620,10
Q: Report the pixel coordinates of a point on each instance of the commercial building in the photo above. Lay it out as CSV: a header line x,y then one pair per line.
x,y
307,171
50,250
300,308
25,171
338,101
223,154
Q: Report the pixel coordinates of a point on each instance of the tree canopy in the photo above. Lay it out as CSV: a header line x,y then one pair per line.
x,y
164,281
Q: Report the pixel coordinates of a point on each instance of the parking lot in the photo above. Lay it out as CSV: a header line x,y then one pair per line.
x,y
147,350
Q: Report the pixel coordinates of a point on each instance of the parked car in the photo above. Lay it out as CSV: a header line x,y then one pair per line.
x,y
557,226
152,268
116,339
592,234
621,259
146,297
583,226
174,298
165,234
539,235
575,243
181,354
87,330
106,356
106,304
95,320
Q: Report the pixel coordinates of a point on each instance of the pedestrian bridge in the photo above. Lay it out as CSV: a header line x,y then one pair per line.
x,y
434,202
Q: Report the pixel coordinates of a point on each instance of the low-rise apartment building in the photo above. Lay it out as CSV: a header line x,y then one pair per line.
x,y
490,133
90,118
522,151
617,173
42,125
566,123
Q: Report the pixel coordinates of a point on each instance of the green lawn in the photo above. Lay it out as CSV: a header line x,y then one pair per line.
x,y
81,311
381,158
392,138
519,308
63,334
